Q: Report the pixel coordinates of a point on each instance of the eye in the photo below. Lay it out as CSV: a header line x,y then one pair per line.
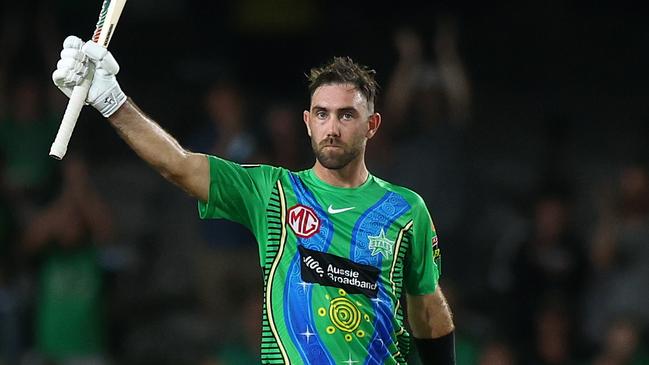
x,y
321,114
347,116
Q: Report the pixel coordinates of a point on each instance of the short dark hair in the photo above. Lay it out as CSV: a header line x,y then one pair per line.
x,y
343,70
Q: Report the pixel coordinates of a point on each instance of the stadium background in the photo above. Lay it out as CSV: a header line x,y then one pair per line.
x,y
529,149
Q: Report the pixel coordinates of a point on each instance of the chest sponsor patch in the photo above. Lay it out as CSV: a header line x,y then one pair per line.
x,y
303,221
331,270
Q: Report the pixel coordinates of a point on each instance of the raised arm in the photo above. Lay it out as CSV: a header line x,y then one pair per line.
x,y
188,170
452,71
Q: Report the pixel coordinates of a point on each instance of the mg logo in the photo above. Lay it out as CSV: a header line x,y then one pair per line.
x,y
303,221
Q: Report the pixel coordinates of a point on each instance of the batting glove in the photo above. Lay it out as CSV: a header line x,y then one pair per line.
x,y
81,61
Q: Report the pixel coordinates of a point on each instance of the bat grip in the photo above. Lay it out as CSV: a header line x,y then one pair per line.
x,y
72,111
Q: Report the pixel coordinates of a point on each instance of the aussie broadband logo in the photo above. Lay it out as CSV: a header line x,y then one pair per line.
x,y
303,221
339,272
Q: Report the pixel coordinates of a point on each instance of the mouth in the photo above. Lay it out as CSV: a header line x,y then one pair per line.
x,y
330,143
331,147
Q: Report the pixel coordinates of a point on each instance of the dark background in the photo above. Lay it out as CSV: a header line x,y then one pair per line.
x,y
558,113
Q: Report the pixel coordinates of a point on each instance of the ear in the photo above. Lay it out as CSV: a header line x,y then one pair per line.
x,y
305,117
373,125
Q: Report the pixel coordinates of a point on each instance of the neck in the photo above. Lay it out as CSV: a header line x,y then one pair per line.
x,y
350,176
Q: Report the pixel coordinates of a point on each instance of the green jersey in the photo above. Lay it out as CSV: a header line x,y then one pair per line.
x,y
69,313
335,261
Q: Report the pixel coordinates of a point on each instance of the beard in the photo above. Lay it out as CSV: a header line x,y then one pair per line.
x,y
335,158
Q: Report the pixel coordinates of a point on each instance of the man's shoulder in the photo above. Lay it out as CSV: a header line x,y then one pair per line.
x,y
267,172
264,167
256,167
411,196
256,171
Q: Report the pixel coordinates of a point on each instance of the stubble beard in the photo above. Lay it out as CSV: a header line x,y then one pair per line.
x,y
335,158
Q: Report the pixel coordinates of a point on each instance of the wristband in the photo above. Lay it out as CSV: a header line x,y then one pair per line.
x,y
437,351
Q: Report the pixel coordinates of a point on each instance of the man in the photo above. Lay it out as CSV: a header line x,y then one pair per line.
x,y
337,245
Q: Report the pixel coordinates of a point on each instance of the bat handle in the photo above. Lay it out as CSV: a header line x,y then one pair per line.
x,y
72,111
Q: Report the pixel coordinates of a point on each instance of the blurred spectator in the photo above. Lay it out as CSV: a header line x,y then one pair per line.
x,y
423,93
28,36
10,323
623,345
8,231
26,133
620,254
226,132
287,141
549,263
230,246
426,107
553,344
467,349
497,353
242,346
69,318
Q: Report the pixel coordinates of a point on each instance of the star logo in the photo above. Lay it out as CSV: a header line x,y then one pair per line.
x,y
349,360
307,334
380,244
304,285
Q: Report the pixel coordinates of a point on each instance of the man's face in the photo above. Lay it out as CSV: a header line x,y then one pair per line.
x,y
339,122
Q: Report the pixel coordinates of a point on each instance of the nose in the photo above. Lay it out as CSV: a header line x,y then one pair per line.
x,y
333,127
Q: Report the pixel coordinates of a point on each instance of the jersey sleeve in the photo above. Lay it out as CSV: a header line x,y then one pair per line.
x,y
424,264
238,193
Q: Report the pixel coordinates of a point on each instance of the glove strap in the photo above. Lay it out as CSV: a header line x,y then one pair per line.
x,y
108,102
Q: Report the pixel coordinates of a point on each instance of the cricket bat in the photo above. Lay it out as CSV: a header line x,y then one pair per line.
x,y
108,17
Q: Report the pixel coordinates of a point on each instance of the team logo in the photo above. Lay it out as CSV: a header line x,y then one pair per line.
x,y
303,221
380,244
437,253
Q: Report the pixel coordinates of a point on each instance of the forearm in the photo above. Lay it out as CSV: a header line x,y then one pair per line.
x,y
458,89
430,315
160,150
432,326
400,89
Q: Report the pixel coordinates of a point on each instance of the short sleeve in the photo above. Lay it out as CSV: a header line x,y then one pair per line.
x,y
424,264
237,192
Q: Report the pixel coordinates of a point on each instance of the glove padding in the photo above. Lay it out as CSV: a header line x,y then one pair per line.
x,y
90,61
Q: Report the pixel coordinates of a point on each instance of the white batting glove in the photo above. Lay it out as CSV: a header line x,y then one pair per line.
x,y
81,61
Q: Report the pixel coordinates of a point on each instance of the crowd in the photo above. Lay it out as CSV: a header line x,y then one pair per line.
x,y
545,244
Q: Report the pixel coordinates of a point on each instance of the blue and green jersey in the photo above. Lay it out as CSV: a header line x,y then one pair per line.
x,y
336,261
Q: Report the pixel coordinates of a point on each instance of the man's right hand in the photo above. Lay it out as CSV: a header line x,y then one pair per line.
x,y
76,64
